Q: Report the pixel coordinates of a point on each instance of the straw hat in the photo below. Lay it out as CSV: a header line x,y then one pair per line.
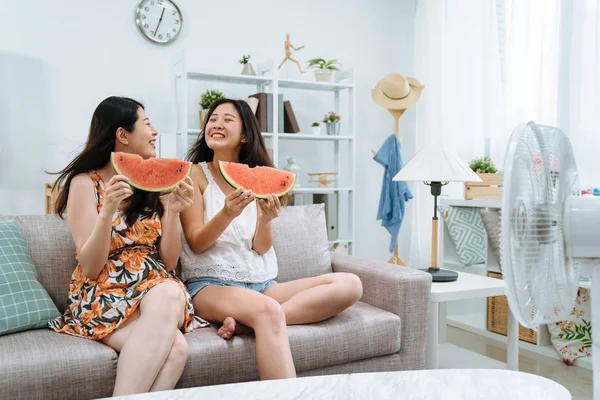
x,y
396,92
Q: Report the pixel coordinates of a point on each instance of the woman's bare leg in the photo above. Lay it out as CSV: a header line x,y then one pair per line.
x,y
148,339
259,312
315,299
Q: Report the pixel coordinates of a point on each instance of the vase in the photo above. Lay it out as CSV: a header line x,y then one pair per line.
x,y
294,168
323,75
248,69
316,130
333,128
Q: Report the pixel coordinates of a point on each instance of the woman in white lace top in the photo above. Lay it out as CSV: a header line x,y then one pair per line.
x,y
228,262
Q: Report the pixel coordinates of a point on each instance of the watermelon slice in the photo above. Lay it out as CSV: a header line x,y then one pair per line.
x,y
153,174
261,180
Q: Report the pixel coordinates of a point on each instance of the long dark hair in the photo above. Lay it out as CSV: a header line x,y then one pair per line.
x,y
253,152
111,114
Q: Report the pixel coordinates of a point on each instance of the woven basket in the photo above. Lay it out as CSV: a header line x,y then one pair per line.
x,y
497,316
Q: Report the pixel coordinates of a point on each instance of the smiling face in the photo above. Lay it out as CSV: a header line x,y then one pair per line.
x,y
223,130
141,140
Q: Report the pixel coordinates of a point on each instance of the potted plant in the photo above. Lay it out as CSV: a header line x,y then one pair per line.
x,y
316,128
332,120
323,68
490,186
206,100
247,68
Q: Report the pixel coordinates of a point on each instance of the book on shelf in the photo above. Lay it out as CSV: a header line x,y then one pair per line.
x,y
264,112
290,124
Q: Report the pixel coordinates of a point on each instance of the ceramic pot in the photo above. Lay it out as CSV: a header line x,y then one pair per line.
x,y
294,169
248,69
323,75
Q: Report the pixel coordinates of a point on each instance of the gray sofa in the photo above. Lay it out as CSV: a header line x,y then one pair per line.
x,y
385,331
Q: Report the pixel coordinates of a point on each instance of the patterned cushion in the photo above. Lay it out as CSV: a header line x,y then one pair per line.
x,y
52,251
572,337
491,221
467,232
24,303
300,242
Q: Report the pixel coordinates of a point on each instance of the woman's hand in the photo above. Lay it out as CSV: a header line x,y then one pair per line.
x,y
269,208
117,190
235,202
179,198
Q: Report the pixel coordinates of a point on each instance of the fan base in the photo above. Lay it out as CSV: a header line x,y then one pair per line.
x,y
442,275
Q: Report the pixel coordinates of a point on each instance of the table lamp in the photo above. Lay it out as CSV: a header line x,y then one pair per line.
x,y
435,168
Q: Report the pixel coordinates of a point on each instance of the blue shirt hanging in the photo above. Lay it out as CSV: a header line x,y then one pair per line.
x,y
393,193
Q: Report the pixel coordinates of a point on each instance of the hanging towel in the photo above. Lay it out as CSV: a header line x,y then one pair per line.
x,y
393,193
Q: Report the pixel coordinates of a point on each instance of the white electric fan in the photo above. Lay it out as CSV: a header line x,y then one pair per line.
x,y
548,231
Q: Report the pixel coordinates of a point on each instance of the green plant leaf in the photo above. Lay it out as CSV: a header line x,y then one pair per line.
x,y
209,97
316,62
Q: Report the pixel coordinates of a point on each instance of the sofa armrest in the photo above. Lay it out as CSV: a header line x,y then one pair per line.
x,y
400,290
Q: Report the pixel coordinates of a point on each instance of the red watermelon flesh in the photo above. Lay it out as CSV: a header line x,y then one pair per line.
x,y
261,180
153,174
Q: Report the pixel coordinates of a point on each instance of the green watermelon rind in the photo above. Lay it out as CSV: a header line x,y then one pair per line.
x,y
156,190
234,185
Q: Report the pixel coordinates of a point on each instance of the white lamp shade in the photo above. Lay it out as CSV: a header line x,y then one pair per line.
x,y
436,165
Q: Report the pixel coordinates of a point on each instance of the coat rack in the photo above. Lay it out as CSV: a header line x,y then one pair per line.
x,y
396,114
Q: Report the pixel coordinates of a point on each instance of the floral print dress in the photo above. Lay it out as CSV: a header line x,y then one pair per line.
x,y
95,308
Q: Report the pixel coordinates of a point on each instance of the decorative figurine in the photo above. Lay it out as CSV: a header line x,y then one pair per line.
x,y
288,53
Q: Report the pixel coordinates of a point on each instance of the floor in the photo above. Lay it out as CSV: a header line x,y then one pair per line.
x,y
576,379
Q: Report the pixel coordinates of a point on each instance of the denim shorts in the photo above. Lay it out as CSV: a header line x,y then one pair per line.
x,y
194,285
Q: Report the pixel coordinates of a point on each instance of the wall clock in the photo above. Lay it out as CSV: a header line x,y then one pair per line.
x,y
159,21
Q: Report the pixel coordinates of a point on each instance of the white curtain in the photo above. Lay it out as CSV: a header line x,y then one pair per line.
x,y
552,75
483,76
531,66
457,59
579,104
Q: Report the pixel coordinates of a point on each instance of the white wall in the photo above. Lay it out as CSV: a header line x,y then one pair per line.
x,y
58,60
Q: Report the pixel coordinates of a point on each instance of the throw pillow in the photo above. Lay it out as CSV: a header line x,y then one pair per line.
x,y
491,222
300,242
24,303
572,337
467,232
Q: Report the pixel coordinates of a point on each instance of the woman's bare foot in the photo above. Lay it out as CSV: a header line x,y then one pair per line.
x,y
228,329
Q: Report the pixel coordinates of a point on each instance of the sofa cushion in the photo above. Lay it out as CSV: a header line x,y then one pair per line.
x,y
43,364
466,229
359,333
52,251
300,242
24,303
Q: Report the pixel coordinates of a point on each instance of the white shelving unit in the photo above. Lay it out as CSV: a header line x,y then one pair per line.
x,y
471,315
269,80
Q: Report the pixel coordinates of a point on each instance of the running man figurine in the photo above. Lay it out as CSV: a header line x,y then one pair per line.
x,y
288,53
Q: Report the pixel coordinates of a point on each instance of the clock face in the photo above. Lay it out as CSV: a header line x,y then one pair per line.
x,y
158,20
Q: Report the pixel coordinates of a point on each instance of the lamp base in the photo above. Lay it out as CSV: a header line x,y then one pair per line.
x,y
442,275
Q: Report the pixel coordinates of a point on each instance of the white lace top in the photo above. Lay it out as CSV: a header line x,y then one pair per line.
x,y
231,257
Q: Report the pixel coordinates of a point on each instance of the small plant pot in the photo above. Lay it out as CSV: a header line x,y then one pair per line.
x,y
323,75
201,115
248,69
316,130
333,128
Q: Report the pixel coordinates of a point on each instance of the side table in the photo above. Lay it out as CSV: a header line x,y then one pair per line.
x,y
467,286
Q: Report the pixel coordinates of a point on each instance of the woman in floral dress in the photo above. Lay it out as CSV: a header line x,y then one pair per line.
x,y
127,241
